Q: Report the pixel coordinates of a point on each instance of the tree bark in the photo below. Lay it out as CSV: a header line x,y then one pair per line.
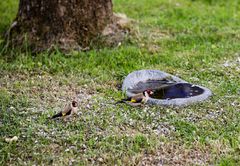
x,y
67,24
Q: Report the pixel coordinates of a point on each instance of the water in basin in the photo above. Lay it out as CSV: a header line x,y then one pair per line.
x,y
180,90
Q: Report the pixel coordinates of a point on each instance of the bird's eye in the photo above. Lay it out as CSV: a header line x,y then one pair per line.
x,y
74,103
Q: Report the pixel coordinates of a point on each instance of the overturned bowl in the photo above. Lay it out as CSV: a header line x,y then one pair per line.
x,y
176,93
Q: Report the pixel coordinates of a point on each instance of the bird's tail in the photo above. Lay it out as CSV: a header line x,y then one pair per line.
x,y
57,115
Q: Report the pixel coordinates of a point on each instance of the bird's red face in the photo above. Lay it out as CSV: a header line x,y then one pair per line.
x,y
150,92
74,103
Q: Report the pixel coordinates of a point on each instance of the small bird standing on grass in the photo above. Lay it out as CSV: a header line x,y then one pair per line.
x,y
68,110
138,99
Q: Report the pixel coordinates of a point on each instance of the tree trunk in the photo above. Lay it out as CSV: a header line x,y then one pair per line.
x,y
67,24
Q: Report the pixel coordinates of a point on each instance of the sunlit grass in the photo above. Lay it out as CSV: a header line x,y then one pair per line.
x,y
196,40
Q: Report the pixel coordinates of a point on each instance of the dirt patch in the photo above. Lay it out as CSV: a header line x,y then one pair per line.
x,y
176,154
46,91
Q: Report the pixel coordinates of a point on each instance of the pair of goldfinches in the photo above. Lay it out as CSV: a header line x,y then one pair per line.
x,y
135,100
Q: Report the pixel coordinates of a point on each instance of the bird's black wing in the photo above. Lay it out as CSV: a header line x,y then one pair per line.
x,y
69,112
57,115
136,100
60,114
124,100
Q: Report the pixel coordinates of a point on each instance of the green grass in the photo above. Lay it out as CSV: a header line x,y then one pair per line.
x,y
197,40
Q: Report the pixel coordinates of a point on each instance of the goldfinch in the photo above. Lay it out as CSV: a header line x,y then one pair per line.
x,y
68,110
137,99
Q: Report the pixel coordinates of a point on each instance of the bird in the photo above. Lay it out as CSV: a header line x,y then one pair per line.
x,y
70,109
138,99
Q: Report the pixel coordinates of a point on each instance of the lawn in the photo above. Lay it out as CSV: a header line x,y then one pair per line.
x,y
197,40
